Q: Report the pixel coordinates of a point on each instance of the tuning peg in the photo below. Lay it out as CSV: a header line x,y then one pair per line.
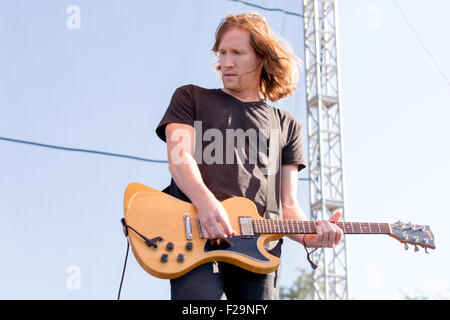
x,y
426,250
416,248
406,247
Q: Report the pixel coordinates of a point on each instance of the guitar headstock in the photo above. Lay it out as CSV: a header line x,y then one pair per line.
x,y
414,234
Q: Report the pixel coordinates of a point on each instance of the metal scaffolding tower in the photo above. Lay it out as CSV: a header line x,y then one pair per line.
x,y
324,119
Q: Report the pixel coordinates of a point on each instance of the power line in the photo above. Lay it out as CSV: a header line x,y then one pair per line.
x,y
37,144
268,9
82,150
421,42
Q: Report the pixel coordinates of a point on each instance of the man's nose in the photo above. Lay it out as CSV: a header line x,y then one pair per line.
x,y
227,61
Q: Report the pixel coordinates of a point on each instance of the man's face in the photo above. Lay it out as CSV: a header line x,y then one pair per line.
x,y
240,65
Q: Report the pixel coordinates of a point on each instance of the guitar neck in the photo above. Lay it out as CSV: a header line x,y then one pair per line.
x,y
268,226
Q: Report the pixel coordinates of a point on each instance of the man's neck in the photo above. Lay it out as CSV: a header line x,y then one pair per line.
x,y
244,96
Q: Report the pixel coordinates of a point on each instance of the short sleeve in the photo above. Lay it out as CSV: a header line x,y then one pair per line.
x,y
293,151
180,110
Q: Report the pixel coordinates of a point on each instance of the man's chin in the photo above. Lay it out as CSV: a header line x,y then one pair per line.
x,y
230,86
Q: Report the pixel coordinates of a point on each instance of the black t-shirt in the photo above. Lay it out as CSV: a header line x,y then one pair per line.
x,y
218,115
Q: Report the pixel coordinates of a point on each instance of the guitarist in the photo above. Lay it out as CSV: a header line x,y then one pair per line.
x,y
208,164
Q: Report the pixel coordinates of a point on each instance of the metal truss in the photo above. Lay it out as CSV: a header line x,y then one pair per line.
x,y
324,120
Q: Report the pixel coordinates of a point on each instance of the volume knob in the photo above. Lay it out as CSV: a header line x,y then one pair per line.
x,y
180,257
189,246
164,257
169,246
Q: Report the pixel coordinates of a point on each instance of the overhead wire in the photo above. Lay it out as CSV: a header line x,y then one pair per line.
x,y
430,55
82,150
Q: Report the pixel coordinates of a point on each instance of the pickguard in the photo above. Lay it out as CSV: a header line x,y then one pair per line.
x,y
247,247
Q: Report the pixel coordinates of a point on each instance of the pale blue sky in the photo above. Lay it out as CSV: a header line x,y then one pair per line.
x,y
106,85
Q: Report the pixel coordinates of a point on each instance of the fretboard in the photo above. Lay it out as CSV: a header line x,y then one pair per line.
x,y
261,226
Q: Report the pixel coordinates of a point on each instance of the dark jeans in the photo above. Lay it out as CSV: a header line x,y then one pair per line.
x,y
230,282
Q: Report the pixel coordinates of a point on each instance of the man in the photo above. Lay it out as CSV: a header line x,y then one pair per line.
x,y
254,66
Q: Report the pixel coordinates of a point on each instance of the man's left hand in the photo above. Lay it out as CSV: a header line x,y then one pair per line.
x,y
327,235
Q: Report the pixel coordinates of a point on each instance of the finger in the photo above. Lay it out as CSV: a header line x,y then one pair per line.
x,y
339,234
327,233
336,216
319,233
205,232
205,229
216,231
226,225
331,235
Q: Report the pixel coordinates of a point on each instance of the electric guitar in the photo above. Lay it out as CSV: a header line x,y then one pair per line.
x,y
167,240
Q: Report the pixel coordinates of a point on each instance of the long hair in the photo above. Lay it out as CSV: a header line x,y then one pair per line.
x,y
281,67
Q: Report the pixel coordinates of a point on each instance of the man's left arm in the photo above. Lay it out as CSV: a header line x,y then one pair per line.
x,y
328,234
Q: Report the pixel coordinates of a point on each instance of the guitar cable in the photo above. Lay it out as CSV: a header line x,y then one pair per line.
x,y
148,242
123,272
308,254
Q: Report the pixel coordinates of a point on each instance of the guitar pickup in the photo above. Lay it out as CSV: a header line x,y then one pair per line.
x,y
246,227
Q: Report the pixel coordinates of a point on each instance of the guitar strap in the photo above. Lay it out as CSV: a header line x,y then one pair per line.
x,y
273,205
273,210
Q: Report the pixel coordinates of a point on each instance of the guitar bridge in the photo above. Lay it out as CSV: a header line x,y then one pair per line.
x,y
187,223
245,223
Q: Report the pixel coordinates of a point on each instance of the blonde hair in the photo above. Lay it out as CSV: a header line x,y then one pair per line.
x,y
281,67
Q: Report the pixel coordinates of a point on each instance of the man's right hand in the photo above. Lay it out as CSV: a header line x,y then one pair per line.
x,y
214,220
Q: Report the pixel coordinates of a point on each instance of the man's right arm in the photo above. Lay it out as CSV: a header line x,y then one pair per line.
x,y
186,174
